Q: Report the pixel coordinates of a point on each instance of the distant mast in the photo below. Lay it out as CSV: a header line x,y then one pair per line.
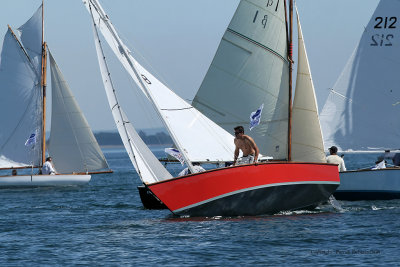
x,y
43,83
290,56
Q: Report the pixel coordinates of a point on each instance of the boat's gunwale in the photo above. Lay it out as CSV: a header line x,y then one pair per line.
x,y
367,170
238,166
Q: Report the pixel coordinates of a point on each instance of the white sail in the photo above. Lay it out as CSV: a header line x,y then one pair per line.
x,y
307,144
197,137
362,110
250,68
20,100
148,167
72,144
31,35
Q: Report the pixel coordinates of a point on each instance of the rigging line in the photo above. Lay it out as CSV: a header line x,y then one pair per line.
x,y
339,94
25,53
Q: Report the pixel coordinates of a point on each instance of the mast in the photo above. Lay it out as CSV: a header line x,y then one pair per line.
x,y
43,83
290,55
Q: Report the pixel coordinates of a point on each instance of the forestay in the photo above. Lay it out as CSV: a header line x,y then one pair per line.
x,y
307,144
20,100
198,138
362,111
148,167
72,144
251,68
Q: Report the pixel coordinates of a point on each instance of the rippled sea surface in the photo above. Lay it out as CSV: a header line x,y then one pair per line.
x,y
104,223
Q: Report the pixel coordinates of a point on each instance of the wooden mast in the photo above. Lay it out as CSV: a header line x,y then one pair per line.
x,y
43,83
290,78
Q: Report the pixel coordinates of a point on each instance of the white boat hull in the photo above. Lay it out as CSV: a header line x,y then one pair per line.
x,y
369,184
44,180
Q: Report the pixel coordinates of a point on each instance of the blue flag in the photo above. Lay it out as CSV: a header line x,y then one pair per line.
x,y
255,117
31,140
176,154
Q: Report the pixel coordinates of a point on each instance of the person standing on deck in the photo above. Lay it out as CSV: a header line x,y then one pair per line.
x,y
333,158
247,145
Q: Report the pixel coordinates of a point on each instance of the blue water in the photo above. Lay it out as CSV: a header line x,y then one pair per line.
x,y
103,223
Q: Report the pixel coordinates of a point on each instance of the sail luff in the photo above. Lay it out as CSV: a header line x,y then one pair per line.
x,y
144,87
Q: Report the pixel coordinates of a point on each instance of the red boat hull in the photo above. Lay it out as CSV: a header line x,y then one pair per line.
x,y
265,188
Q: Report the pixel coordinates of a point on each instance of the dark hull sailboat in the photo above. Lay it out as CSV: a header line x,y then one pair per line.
x,y
258,189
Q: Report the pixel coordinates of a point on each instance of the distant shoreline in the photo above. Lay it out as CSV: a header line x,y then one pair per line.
x,y
112,139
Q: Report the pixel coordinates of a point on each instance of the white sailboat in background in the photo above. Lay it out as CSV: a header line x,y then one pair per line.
x,y
362,111
240,190
72,145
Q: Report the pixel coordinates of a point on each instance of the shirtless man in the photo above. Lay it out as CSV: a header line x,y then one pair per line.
x,y
247,145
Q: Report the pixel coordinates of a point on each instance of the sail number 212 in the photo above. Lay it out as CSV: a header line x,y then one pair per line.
x,y
383,23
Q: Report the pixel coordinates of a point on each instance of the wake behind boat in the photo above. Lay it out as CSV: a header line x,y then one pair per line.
x,y
241,190
72,145
362,110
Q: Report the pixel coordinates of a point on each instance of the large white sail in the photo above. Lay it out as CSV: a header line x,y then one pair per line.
x,y
148,167
251,68
198,138
72,144
307,144
362,111
20,100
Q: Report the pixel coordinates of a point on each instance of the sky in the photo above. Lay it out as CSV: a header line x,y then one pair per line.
x,y
176,40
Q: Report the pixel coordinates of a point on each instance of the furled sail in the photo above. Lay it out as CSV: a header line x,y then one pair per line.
x,y
72,144
197,137
307,144
148,167
250,68
362,111
20,101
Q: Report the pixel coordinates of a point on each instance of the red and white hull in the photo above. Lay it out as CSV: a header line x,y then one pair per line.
x,y
44,180
265,188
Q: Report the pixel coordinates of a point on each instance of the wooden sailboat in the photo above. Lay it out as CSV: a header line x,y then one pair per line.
x,y
72,145
254,189
362,111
